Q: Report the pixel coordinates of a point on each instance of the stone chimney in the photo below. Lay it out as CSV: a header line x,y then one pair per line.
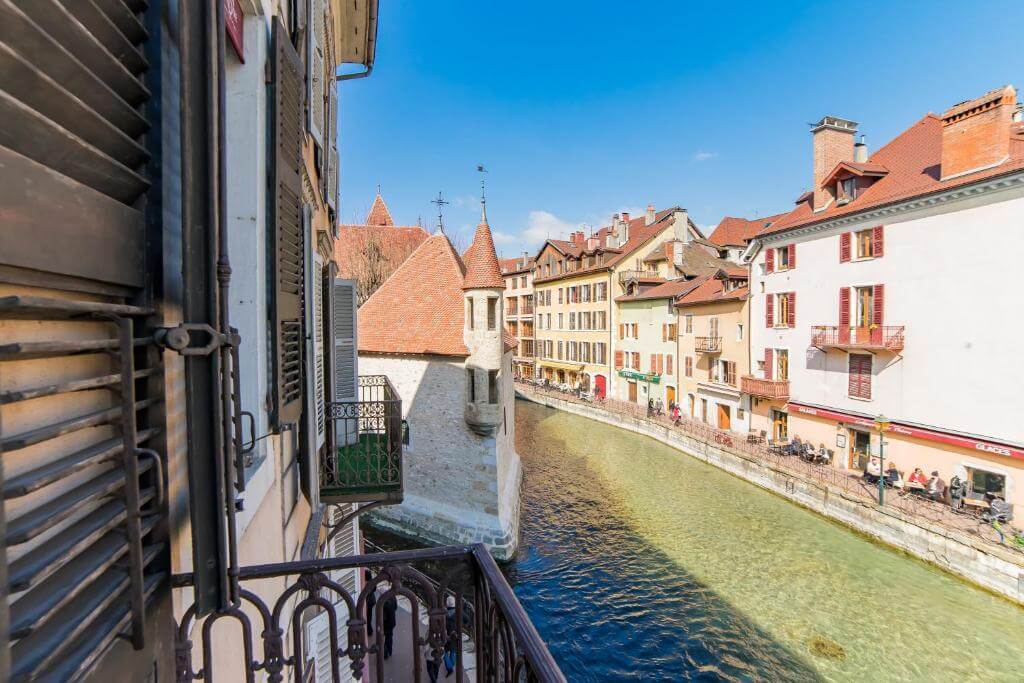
x,y
860,151
649,217
976,133
592,243
681,225
833,142
677,253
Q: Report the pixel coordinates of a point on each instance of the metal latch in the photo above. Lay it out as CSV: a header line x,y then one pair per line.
x,y
180,339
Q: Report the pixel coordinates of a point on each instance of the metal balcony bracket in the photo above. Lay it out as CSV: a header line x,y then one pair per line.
x,y
336,527
181,339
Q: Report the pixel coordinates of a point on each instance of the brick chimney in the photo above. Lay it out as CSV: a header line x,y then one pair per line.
x,y
833,142
976,133
649,218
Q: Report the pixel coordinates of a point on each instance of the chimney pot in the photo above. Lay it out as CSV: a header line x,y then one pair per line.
x,y
649,218
860,151
976,133
625,216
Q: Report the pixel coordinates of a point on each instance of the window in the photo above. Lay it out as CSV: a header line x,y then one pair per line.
x,y
572,321
728,372
782,364
469,314
559,295
983,482
847,190
471,384
865,306
865,246
860,375
782,258
492,386
739,331
636,361
688,366
559,351
492,313
669,365
713,327
689,323
522,282
785,309
548,326
600,351
560,322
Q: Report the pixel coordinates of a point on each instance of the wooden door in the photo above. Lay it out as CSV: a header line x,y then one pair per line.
x,y
670,394
632,391
724,417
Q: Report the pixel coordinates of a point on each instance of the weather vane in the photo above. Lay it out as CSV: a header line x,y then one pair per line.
x,y
440,201
483,193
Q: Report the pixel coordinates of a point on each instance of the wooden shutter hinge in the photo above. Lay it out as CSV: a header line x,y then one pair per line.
x,y
180,339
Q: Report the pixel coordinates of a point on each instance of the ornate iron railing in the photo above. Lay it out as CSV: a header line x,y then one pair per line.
x,y
878,337
366,465
489,635
765,388
707,344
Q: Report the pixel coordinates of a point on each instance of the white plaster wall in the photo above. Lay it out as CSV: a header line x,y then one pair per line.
x,y
649,317
950,279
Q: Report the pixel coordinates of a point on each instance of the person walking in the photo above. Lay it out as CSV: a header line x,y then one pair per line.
x,y
451,628
390,608
371,601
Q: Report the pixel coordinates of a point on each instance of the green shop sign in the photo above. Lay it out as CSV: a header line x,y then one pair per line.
x,y
643,377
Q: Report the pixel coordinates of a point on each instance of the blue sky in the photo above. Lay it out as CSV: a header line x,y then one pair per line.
x,y
582,109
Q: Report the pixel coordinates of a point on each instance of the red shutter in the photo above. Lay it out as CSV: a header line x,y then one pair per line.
x,y
844,306
769,371
844,247
769,310
618,360
769,260
791,318
877,315
654,363
621,331
792,256
877,239
668,365
664,334
860,375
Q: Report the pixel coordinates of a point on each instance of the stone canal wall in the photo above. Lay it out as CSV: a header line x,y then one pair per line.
x,y
996,569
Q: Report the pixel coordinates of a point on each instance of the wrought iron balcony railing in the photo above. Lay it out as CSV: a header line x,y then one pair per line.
x,y
765,388
707,344
366,465
486,630
877,337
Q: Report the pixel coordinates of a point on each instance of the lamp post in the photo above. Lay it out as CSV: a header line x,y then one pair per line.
x,y
882,423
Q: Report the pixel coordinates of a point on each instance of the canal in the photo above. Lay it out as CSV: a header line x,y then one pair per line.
x,y
639,563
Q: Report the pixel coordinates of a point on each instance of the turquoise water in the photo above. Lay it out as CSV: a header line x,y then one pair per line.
x,y
640,563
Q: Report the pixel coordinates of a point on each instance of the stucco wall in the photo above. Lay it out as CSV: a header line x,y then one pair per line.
x,y
460,487
649,317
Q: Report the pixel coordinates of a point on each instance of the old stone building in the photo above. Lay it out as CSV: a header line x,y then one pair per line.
x,y
435,329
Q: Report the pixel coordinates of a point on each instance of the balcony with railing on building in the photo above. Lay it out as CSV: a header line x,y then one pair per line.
x,y
527,305
765,388
639,276
369,433
511,307
872,338
707,344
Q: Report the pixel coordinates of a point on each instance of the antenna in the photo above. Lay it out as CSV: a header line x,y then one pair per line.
x,y
440,201
483,193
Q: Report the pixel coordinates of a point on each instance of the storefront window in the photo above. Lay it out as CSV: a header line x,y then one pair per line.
x,y
983,482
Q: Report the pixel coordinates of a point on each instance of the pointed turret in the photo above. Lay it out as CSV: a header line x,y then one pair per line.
x,y
482,268
379,214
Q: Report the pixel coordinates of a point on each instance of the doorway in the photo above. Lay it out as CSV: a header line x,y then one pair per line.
x,y
670,395
724,416
600,386
780,425
632,391
704,410
860,449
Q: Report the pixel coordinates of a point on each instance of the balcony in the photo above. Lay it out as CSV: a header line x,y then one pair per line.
x,y
367,466
638,275
765,388
878,338
707,344
493,637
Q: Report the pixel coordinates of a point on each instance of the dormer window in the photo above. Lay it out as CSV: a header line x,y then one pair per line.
x,y
846,190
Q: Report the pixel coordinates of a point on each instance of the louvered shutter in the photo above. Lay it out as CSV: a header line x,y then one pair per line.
x,y
844,247
315,77
859,370
318,646
791,313
878,314
769,260
769,310
622,331
769,371
312,407
288,249
877,241
792,256
618,360
346,361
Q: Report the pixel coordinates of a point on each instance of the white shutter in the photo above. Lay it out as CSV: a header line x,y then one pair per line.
x,y
332,145
312,318
315,66
344,544
318,350
346,362
318,646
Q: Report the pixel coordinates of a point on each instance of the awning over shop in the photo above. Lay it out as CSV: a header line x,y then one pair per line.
x,y
575,367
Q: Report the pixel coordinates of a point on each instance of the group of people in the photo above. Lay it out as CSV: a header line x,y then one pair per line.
x,y
935,488
389,620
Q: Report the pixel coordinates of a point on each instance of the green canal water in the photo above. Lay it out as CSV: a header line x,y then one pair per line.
x,y
641,563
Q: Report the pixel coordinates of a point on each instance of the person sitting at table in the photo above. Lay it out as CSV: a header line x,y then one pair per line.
x,y
998,509
936,487
893,477
873,470
917,477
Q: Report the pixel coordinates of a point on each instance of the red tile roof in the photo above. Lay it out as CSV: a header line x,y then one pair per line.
x,y
419,309
379,214
482,269
711,290
913,160
511,266
396,244
667,290
734,232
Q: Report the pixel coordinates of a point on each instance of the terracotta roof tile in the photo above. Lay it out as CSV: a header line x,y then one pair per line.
x,y
396,244
419,309
735,232
913,160
667,290
379,214
482,269
711,290
516,265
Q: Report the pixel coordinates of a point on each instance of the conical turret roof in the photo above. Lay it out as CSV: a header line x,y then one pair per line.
x,y
482,268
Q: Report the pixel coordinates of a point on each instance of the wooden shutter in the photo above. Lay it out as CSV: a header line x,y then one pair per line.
x,y
844,307
860,375
769,371
791,313
622,331
792,256
654,363
618,360
844,247
312,403
878,314
315,76
769,310
288,250
877,241
669,364
769,260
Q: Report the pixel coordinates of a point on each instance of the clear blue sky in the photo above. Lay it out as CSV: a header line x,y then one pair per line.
x,y
581,109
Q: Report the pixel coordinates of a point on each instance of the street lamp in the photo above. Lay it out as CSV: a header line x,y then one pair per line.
x,y
882,423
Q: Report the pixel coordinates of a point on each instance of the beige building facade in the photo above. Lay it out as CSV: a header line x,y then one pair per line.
x,y
519,313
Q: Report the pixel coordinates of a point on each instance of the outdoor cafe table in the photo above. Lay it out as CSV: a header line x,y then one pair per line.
x,y
976,503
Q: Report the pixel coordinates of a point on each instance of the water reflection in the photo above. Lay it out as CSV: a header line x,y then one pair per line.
x,y
639,563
